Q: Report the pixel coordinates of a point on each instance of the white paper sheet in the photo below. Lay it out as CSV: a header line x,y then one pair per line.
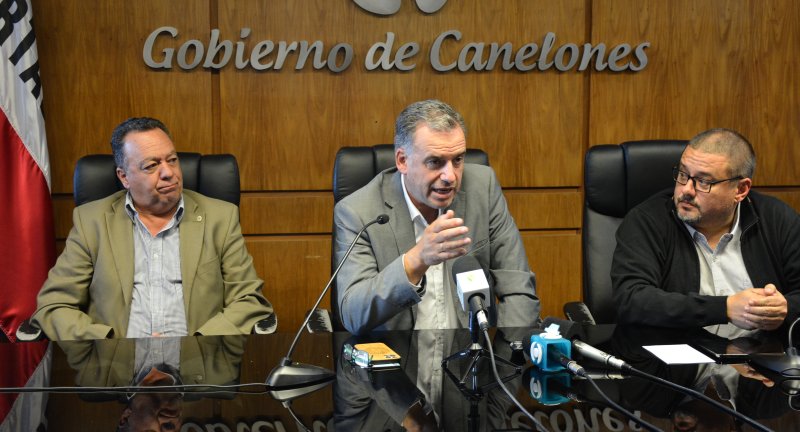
x,y
678,354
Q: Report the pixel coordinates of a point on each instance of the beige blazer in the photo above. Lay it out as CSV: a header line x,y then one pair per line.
x,y
88,292
214,360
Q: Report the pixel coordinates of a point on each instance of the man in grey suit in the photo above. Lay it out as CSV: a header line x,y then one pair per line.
x,y
154,259
399,274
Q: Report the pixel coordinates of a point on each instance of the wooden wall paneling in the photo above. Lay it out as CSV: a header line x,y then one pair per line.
x,y
711,64
287,212
286,125
530,123
283,121
295,269
312,212
555,258
546,208
790,196
62,215
93,76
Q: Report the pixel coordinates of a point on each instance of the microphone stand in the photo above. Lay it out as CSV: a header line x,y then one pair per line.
x,y
290,375
475,353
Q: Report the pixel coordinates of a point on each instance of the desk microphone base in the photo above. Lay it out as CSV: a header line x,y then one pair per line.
x,y
477,358
294,375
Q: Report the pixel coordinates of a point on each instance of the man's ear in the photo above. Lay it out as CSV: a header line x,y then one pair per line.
x,y
743,188
123,178
401,160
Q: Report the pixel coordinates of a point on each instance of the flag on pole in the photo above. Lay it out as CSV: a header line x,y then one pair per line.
x,y
26,221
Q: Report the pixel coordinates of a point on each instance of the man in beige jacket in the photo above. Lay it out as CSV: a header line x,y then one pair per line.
x,y
154,259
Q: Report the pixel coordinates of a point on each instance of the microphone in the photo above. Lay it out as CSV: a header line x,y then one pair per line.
x,y
550,352
595,354
472,288
289,375
575,331
549,343
571,365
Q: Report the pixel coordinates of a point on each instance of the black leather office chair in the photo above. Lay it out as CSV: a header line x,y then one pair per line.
x,y
616,179
214,175
356,166
353,168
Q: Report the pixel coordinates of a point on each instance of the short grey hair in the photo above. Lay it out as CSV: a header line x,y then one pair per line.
x,y
731,144
435,114
133,124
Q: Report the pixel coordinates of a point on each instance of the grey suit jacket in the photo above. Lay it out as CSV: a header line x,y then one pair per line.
x,y
373,290
88,292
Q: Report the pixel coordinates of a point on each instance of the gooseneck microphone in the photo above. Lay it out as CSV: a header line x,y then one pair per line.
x,y
293,375
472,288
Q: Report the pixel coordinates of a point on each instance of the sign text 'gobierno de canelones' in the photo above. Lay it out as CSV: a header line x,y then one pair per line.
x,y
389,54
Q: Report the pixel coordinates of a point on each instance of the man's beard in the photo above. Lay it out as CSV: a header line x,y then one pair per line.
x,y
691,220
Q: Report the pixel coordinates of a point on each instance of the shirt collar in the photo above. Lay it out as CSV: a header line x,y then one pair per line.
x,y
132,212
413,211
734,229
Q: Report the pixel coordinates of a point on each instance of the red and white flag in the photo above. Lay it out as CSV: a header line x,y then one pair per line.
x,y
27,238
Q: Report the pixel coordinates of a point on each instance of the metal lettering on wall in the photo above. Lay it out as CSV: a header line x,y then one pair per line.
x,y
389,54
390,7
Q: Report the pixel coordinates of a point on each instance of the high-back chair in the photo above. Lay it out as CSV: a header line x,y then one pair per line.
x,y
213,175
616,179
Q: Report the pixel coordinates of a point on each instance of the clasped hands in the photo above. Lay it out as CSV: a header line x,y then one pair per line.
x,y
445,238
757,308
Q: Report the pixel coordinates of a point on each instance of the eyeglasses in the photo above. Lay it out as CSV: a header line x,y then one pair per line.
x,y
700,185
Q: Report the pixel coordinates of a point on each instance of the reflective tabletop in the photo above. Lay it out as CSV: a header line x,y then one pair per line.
x,y
217,383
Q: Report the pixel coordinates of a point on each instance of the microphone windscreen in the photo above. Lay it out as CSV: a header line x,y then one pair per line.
x,y
470,281
382,219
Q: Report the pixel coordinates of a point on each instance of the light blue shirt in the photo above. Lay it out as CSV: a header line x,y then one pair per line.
x,y
157,306
722,271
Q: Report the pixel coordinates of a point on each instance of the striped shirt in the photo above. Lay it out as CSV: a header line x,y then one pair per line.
x,y
157,307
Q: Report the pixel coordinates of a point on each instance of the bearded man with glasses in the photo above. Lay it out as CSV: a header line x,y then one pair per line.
x,y
711,252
